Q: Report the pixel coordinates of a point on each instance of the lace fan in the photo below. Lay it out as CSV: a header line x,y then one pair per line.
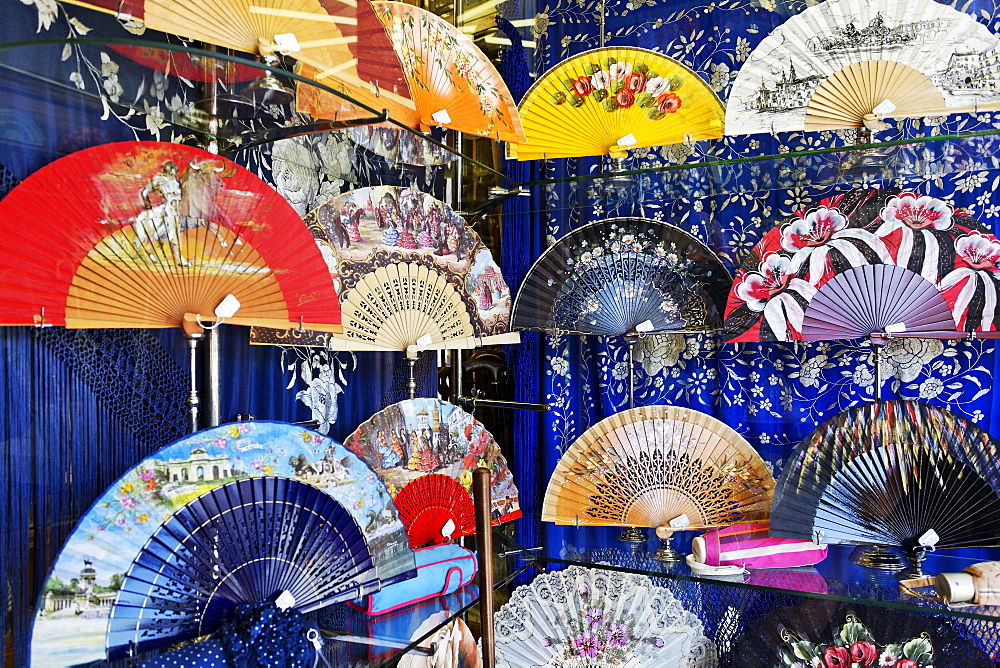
x,y
148,234
408,440
886,474
606,101
248,541
86,580
838,61
412,274
622,276
659,466
589,617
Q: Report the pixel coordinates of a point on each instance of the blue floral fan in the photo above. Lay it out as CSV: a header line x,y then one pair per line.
x,y
248,541
87,579
623,276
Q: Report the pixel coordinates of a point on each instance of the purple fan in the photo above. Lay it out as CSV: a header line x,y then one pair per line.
x,y
878,298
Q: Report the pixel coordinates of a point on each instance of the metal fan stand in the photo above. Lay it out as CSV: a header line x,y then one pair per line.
x,y
877,556
667,553
635,536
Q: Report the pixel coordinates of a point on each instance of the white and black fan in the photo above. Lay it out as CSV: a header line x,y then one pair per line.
x,y
248,541
894,473
623,276
878,299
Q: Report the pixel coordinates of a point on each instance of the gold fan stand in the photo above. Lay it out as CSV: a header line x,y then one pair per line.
x,y
634,535
876,556
667,553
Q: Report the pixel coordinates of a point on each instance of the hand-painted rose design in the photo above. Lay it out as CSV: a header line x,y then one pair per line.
x,y
635,82
582,87
864,653
668,103
600,80
918,212
772,278
620,70
588,644
657,86
907,663
624,99
836,657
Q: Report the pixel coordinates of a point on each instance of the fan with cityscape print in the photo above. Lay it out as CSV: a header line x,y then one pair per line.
x,y
851,63
425,451
412,275
812,278
137,572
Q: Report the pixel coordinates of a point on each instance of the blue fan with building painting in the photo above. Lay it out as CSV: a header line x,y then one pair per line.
x,y
132,575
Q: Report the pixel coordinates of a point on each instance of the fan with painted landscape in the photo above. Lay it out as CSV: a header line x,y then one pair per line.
x,y
590,617
425,450
842,62
107,562
623,276
606,101
149,234
894,473
412,275
865,263
338,41
452,83
399,146
659,466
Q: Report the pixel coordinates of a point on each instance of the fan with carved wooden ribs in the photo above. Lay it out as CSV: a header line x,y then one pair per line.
x,y
411,274
659,466
841,63
323,35
148,234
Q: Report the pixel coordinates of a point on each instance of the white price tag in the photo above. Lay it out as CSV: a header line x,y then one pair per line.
x,y
895,328
441,117
425,340
448,529
287,42
285,600
680,522
628,140
884,107
646,326
929,538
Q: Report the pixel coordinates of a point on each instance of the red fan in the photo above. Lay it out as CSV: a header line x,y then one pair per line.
x,y
877,299
149,234
434,509
186,65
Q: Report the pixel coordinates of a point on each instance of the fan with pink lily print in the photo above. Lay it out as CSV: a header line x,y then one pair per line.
x,y
812,277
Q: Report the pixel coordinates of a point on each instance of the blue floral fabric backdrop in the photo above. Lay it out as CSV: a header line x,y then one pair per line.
x,y
773,393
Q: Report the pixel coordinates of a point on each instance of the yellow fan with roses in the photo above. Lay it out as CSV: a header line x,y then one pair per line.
x,y
606,101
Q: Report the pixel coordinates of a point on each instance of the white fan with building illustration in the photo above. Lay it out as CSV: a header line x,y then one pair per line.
x,y
841,63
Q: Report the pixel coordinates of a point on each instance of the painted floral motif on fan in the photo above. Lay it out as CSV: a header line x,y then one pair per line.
x,y
926,235
853,645
618,85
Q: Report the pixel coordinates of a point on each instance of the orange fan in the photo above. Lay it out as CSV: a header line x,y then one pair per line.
x,y
452,83
433,508
150,234
322,34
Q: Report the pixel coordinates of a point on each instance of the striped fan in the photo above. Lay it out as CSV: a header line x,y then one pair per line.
x,y
248,541
887,473
413,273
147,234
408,440
622,276
153,497
877,298
842,60
608,100
589,617
659,466
323,35
434,508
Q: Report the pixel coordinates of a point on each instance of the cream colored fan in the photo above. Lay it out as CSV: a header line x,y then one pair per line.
x,y
842,60
404,306
659,466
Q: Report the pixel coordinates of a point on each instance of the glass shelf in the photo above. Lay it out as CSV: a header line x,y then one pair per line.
x,y
836,578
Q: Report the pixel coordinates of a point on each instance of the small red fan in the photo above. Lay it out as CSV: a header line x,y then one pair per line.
x,y
434,509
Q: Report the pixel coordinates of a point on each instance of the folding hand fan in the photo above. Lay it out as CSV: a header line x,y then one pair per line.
x,y
399,146
915,236
248,541
87,578
325,35
659,466
838,61
187,66
141,234
876,299
411,273
410,439
887,474
623,276
608,100
588,617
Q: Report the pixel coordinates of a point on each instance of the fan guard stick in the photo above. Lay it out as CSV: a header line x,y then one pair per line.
x,y
193,337
484,545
